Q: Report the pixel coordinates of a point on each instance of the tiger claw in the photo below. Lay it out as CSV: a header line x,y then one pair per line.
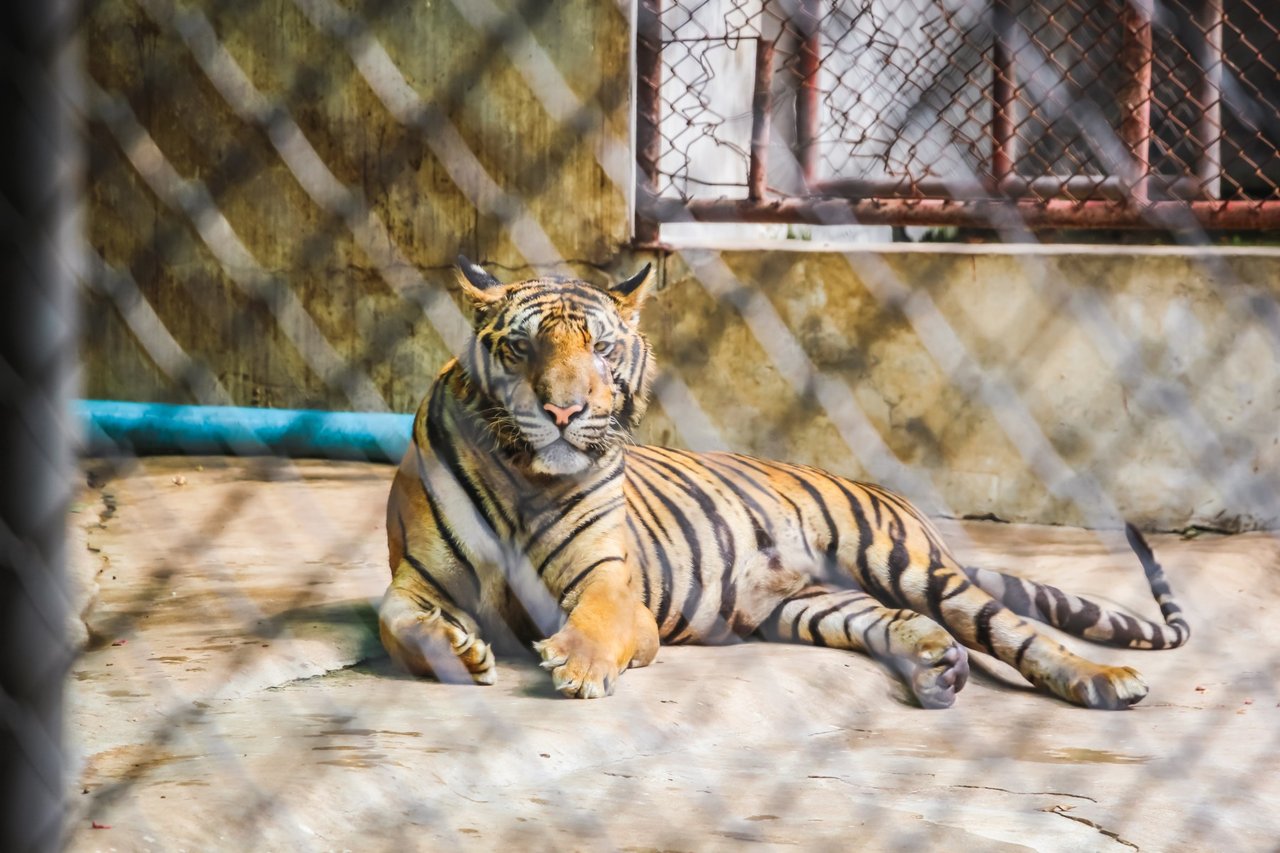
x,y
551,657
575,671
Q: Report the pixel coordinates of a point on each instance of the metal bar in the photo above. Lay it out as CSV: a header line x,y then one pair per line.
x,y
1135,94
40,173
1055,213
648,114
1078,187
1004,96
809,22
1208,129
761,107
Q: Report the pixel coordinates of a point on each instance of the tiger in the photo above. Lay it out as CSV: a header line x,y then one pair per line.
x,y
523,512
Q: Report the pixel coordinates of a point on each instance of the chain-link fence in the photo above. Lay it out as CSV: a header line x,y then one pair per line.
x,y
1076,114
275,194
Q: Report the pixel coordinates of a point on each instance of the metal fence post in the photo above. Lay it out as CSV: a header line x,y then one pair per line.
x,y
1135,94
648,116
39,174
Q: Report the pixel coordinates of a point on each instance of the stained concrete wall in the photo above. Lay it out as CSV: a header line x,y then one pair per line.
x,y
1063,385
431,205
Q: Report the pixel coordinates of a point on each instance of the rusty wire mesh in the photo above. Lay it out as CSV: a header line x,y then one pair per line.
x,y
275,191
1089,114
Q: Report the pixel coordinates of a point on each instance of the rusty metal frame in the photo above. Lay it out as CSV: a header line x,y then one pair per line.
x,y
1133,198
648,115
761,111
1051,213
1208,130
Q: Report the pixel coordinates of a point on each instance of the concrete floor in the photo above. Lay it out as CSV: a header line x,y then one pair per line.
x,y
234,697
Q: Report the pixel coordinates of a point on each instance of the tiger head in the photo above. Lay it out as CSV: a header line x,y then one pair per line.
x,y
562,364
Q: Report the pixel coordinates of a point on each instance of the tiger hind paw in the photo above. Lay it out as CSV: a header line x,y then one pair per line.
x,y
929,660
1110,688
934,675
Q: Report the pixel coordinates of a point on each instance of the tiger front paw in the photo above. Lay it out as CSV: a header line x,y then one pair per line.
x,y
579,668
431,643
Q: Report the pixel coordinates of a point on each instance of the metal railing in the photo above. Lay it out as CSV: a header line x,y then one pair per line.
x,y
1067,113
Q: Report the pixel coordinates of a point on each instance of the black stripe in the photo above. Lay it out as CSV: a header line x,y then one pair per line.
x,y
1015,596
728,597
956,590
793,631
808,592
815,621
1044,610
794,473
664,561
581,576
895,499
442,525
689,606
719,462
886,622
723,535
418,566
442,445
500,322
857,614
560,511
899,560
636,385
679,631
1081,614
869,581
982,625
938,575
634,463
1022,651
578,529
756,465
759,515
638,554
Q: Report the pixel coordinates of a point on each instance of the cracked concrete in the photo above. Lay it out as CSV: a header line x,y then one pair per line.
x,y
234,696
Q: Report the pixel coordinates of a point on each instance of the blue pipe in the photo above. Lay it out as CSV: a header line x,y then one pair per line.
x,y
112,428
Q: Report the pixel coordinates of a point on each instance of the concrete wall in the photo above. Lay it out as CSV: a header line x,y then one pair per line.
x,y
1064,385
436,189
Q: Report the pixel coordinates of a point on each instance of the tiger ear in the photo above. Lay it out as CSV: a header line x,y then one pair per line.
x,y
481,288
631,293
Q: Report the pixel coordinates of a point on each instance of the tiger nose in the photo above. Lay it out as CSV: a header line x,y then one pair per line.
x,y
563,414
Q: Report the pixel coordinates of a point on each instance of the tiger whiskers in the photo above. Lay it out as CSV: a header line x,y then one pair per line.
x,y
503,430
619,433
